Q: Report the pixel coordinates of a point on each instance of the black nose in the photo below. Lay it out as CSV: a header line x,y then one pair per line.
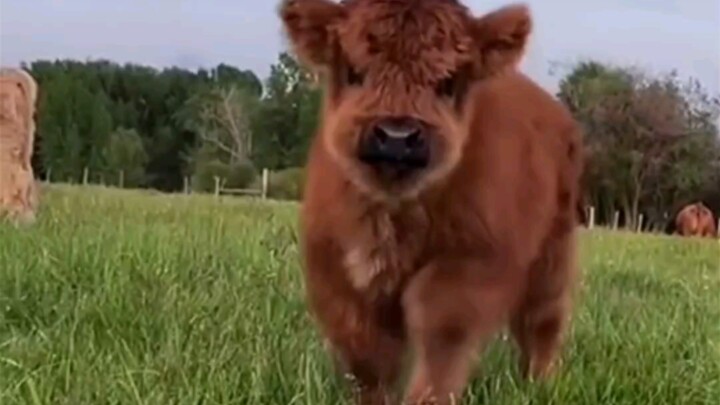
x,y
396,141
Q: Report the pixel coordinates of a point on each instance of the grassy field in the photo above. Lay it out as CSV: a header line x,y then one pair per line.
x,y
119,297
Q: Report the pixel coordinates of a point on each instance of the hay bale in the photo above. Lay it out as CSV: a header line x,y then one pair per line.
x,y
18,189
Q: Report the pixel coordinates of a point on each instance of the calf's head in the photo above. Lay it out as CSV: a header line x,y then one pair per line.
x,y
397,75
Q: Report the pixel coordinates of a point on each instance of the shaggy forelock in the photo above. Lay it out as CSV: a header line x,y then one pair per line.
x,y
425,40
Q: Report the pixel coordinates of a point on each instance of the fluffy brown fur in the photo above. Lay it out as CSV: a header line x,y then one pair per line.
x,y
483,236
696,220
18,191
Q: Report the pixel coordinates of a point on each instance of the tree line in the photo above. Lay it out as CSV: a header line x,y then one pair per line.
x,y
652,141
158,126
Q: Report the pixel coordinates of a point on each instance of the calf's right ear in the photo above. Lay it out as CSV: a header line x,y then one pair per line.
x,y
309,25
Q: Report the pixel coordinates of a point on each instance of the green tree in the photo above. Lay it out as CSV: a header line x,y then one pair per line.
x,y
287,117
125,157
62,149
226,75
651,141
221,117
97,96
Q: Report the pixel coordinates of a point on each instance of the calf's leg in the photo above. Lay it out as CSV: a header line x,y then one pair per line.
x,y
369,354
539,324
452,307
365,338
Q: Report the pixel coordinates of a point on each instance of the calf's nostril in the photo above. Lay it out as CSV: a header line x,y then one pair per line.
x,y
414,139
380,134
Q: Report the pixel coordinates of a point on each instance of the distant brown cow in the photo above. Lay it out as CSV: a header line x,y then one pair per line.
x,y
695,220
441,192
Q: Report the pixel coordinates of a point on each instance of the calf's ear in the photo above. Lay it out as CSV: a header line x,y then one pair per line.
x,y
309,25
501,36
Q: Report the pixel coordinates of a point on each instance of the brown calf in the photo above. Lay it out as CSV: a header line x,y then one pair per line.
x,y
441,194
695,220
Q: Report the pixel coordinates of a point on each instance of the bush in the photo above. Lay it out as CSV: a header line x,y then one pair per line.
x,y
285,184
241,175
235,175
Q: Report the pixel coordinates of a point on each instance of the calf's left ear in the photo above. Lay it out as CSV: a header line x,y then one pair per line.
x,y
501,36
309,25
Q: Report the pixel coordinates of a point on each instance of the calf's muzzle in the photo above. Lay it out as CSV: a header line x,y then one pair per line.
x,y
396,142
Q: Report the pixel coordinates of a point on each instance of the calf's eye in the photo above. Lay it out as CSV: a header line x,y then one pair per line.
x,y
353,77
446,87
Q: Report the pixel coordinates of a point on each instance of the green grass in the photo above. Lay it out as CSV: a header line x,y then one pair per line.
x,y
118,297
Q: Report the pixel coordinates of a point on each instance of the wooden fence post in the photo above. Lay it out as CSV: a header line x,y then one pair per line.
x,y
591,218
217,186
86,174
186,185
48,175
121,180
265,181
616,220
640,223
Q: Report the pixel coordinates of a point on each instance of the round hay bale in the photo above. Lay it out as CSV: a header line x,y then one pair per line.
x,y
18,189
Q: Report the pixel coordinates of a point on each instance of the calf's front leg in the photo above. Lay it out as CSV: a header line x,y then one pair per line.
x,y
452,307
364,337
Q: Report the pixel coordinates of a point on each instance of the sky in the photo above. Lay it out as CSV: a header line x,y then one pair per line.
x,y
656,35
